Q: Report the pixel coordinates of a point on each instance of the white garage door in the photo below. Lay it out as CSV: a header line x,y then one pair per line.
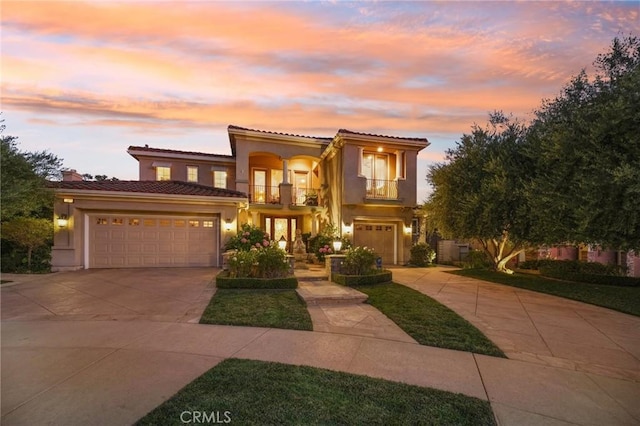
x,y
129,241
379,236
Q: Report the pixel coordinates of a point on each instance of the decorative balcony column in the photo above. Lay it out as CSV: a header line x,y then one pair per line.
x,y
285,171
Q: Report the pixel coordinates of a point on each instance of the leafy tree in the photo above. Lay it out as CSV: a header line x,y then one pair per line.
x,y
585,144
480,192
23,178
29,233
98,178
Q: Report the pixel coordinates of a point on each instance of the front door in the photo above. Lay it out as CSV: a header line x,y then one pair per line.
x,y
278,227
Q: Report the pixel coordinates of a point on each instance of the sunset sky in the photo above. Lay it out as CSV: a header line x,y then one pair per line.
x,y
85,80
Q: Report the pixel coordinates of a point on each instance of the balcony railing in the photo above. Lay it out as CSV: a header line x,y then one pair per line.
x,y
305,197
261,194
382,189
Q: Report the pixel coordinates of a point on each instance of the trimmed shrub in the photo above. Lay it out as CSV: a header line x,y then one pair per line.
x,y
359,261
476,259
588,272
422,255
356,280
223,280
322,244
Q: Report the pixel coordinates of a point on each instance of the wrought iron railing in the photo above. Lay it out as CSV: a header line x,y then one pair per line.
x,y
305,197
261,194
382,189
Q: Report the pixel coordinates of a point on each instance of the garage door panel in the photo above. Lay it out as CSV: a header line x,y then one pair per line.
x,y
139,241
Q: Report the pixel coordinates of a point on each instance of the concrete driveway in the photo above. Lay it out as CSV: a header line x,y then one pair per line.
x,y
161,294
105,347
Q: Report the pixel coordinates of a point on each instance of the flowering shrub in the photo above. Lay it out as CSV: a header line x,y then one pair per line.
x,y
249,236
359,261
255,255
322,244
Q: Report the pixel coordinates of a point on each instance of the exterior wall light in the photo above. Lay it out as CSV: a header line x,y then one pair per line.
x,y
407,230
337,246
63,221
227,225
282,243
347,228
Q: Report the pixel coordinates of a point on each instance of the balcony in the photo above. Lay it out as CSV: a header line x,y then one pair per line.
x,y
305,197
261,194
379,189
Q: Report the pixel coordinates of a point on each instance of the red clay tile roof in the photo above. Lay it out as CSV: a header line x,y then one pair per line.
x,y
174,151
345,131
232,127
171,187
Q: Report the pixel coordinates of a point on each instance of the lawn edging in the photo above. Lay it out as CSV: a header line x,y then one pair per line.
x,y
223,280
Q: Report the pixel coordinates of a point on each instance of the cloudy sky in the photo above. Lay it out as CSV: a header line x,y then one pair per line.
x,y
85,80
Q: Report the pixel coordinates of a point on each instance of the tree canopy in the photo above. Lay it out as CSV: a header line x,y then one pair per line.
x,y
480,192
22,179
570,176
586,145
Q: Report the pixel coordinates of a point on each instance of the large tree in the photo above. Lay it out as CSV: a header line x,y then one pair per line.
x,y
480,191
22,180
586,147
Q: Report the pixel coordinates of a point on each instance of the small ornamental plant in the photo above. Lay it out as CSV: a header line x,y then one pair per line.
x,y
422,255
359,261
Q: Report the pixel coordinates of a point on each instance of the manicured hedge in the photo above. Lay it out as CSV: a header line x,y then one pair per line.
x,y
355,280
591,278
587,272
224,281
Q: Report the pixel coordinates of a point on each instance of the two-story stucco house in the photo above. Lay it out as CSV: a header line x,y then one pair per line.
x,y
185,205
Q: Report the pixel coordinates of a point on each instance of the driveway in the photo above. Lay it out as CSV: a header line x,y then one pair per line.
x,y
161,294
536,327
105,347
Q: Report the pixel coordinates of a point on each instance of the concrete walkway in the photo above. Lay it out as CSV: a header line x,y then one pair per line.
x,y
341,310
88,371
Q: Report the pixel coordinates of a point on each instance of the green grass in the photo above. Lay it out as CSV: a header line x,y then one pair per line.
x,y
257,308
623,299
427,321
257,393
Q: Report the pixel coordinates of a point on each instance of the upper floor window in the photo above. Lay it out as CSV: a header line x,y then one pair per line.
x,y
220,179
163,173
192,174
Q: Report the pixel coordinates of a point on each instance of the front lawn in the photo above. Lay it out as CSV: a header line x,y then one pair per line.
x,y
257,308
427,321
255,392
623,299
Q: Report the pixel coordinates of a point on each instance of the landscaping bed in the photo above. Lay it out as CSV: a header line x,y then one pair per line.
x,y
256,392
620,298
257,308
428,321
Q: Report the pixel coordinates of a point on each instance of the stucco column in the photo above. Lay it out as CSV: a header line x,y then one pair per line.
x,y
285,170
254,218
314,223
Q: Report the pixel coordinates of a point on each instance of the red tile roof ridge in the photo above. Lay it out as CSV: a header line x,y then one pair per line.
x,y
345,131
170,187
233,127
176,151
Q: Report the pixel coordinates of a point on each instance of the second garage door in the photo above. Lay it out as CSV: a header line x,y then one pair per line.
x,y
379,236
129,241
